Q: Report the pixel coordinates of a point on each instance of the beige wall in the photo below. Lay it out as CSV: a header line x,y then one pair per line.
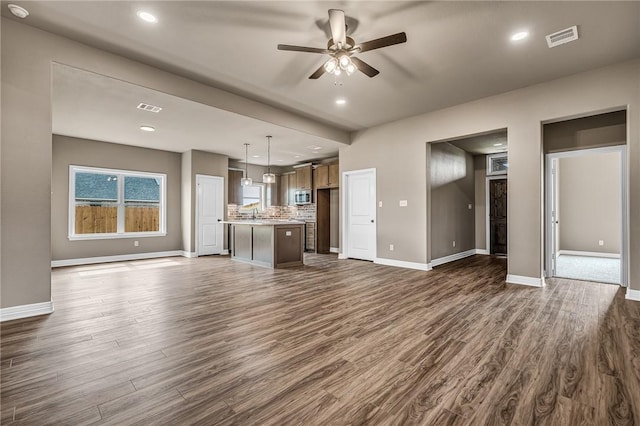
x,y
480,174
397,150
452,179
195,163
82,152
589,205
587,132
27,55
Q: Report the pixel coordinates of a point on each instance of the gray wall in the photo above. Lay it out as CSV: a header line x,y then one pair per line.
x,y
589,203
480,175
82,152
452,191
27,55
194,163
588,132
397,151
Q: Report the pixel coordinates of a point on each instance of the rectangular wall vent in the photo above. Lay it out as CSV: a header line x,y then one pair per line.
x,y
561,37
150,108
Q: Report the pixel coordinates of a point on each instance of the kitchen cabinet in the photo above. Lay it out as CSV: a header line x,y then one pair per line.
x,y
234,189
326,176
292,189
303,177
334,175
283,190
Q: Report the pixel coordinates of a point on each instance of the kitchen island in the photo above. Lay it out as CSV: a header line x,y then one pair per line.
x,y
270,243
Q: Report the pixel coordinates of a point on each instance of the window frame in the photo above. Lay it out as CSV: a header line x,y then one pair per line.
x,y
121,174
491,158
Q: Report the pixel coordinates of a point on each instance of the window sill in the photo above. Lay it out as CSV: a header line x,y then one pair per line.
x,y
116,236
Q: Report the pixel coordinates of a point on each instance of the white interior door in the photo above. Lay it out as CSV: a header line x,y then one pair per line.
x,y
209,214
360,232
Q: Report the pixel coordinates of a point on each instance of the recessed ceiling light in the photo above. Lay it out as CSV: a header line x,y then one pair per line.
x,y
255,156
520,36
148,128
280,161
312,147
297,156
146,16
497,144
341,101
18,11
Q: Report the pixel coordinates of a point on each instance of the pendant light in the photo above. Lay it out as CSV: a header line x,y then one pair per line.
x,y
246,180
268,177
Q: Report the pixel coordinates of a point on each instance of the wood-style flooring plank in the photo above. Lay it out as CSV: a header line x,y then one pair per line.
x,y
210,341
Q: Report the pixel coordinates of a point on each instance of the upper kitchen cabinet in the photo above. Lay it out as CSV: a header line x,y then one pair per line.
x,y
303,177
326,176
234,187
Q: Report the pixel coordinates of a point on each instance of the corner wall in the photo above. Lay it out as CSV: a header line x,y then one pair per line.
x,y
83,152
397,151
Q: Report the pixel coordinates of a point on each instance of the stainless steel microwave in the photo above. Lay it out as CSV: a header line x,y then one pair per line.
x,y
302,196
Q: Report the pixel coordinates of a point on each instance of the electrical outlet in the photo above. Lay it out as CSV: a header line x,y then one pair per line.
x,y
470,207
601,242
379,203
390,247
454,243
136,243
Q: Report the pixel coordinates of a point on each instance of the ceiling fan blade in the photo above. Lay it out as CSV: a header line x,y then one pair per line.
x,y
316,75
302,49
365,67
338,26
382,42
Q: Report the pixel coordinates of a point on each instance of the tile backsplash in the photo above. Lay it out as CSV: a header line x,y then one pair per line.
x,y
304,212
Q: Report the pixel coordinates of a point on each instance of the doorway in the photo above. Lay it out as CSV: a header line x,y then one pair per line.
x,y
585,215
359,211
497,215
209,214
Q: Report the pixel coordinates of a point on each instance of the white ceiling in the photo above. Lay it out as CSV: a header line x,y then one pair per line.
x,y
88,105
456,51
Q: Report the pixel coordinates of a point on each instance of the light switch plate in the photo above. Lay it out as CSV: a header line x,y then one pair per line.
x,y
403,203
379,203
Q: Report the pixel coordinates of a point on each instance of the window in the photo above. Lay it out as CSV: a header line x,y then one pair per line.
x,y
106,203
497,164
253,197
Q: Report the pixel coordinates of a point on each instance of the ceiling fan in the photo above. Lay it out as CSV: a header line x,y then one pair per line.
x,y
342,48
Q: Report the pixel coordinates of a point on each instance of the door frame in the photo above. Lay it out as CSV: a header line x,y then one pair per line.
x,y
549,193
488,211
344,185
197,214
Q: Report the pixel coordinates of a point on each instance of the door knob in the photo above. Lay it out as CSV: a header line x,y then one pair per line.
x,y
371,220
219,220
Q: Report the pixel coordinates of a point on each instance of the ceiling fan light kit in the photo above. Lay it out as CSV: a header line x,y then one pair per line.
x,y
342,48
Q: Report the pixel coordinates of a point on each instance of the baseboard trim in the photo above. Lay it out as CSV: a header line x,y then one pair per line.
x,y
225,252
342,256
190,254
588,254
632,295
402,264
117,258
483,252
26,311
334,250
522,280
456,256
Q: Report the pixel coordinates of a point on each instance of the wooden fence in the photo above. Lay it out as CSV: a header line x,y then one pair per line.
x,y
104,219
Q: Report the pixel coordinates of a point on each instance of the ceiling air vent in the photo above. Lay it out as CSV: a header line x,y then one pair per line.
x,y
150,108
561,37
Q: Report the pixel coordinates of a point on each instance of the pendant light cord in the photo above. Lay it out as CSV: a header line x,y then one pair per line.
x,y
269,154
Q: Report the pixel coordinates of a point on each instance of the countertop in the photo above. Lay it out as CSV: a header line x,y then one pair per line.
x,y
264,222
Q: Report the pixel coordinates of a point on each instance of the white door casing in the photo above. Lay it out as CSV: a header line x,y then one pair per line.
x,y
209,214
359,208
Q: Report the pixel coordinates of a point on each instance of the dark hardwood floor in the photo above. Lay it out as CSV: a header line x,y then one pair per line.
x,y
211,341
